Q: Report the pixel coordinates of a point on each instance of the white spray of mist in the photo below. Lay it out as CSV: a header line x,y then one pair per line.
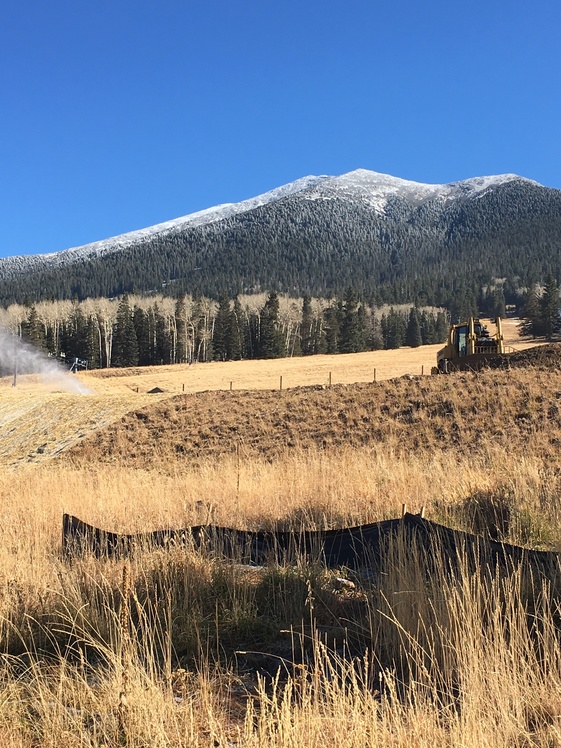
x,y
18,357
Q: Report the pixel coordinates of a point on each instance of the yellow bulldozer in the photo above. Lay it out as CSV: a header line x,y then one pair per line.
x,y
471,347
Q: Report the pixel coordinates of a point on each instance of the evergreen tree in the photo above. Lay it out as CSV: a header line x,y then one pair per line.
x,y
427,323
141,324
499,304
532,324
413,335
350,334
74,340
393,329
442,327
162,338
331,329
462,304
271,343
235,336
50,342
125,344
180,331
550,308
307,341
222,330
93,356
376,337
33,329
252,335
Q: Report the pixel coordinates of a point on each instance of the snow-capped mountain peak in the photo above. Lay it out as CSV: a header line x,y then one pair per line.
x,y
376,189
370,188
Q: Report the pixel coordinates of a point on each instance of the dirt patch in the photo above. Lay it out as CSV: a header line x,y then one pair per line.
x,y
542,356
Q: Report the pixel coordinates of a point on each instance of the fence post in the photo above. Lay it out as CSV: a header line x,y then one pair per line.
x,y
231,383
330,379
403,510
374,374
280,383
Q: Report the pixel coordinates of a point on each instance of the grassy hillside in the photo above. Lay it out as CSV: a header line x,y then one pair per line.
x,y
517,410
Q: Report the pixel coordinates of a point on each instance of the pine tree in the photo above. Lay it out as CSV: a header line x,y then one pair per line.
x,y
142,329
235,336
413,335
331,329
550,308
162,338
428,328
442,327
271,343
307,342
531,325
351,337
499,304
180,331
252,333
393,329
125,344
93,356
222,330
376,338
33,329
74,341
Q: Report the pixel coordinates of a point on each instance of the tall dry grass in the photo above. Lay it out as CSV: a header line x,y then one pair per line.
x,y
412,658
210,653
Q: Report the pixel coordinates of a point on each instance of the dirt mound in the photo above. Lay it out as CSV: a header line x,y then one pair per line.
x,y
517,408
542,356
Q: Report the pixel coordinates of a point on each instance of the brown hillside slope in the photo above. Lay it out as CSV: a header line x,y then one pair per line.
x,y
519,409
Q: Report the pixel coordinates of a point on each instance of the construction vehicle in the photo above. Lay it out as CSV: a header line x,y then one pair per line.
x,y
471,347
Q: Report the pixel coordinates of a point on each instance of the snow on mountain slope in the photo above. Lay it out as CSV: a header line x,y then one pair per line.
x,y
372,188
376,189
16,265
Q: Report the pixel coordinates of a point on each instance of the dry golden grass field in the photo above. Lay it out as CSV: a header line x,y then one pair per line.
x,y
179,648
41,418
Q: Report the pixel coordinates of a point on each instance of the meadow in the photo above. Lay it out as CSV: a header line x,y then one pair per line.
x,y
180,648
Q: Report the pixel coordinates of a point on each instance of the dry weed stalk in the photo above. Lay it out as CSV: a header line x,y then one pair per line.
x,y
126,654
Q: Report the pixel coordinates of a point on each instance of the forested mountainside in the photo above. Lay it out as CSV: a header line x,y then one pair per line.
x,y
391,245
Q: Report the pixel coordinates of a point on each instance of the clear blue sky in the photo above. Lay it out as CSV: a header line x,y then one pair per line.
x,y
116,114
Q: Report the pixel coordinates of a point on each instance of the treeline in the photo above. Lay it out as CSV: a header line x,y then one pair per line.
x,y
148,331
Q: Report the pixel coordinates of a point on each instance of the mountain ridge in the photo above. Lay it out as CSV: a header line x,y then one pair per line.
x,y
383,234
387,185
